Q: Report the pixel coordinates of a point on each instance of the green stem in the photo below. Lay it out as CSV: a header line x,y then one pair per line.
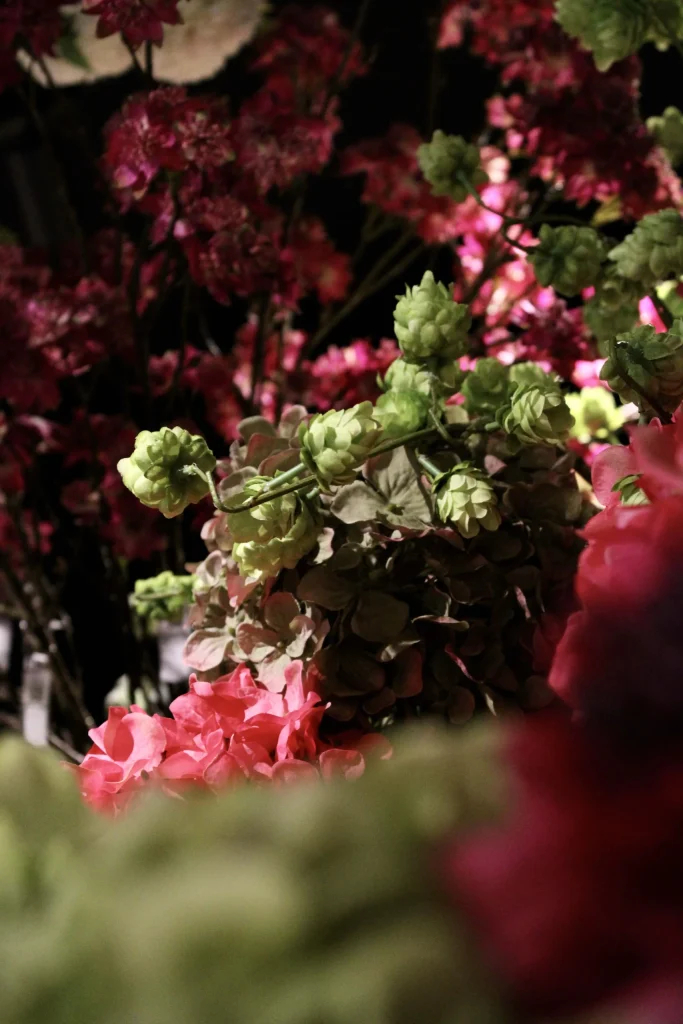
x,y
284,478
429,466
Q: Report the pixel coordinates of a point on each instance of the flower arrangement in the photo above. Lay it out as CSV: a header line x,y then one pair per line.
x,y
467,531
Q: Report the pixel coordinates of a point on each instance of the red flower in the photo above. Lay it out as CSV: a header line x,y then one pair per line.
x,y
164,131
577,895
137,20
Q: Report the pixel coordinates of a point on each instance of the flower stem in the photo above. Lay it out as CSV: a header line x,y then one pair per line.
x,y
284,478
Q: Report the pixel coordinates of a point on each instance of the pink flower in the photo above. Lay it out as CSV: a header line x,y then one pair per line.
x,y
220,733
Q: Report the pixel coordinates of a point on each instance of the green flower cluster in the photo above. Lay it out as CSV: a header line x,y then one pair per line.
x,y
334,444
429,324
466,498
449,164
162,471
304,903
568,258
162,598
653,251
647,368
668,131
614,29
273,535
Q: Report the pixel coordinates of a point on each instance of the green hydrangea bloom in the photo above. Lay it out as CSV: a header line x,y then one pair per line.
x,y
653,362
429,324
568,258
467,499
614,29
446,161
596,414
272,536
334,444
159,471
614,307
162,598
653,251
668,131
537,413
486,387
401,412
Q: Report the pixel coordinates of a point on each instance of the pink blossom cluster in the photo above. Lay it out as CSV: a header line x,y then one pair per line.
x,y
221,733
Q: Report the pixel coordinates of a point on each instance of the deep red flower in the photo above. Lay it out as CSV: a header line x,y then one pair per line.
x,y
576,894
137,20
164,131
35,22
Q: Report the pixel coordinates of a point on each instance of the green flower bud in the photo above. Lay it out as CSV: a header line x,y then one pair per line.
x,y
653,251
429,324
467,499
451,377
159,472
448,160
614,29
614,307
568,258
537,413
596,414
272,536
162,598
401,412
403,376
653,362
668,131
486,387
334,444
527,373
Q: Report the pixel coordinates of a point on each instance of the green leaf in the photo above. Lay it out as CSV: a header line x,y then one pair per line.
x,y
379,617
357,503
324,587
397,476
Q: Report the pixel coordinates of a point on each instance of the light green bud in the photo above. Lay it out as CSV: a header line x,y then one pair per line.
x,y
486,387
448,161
668,131
334,444
160,470
401,412
568,258
653,251
537,413
429,324
630,491
404,376
162,598
653,362
467,499
272,536
614,307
